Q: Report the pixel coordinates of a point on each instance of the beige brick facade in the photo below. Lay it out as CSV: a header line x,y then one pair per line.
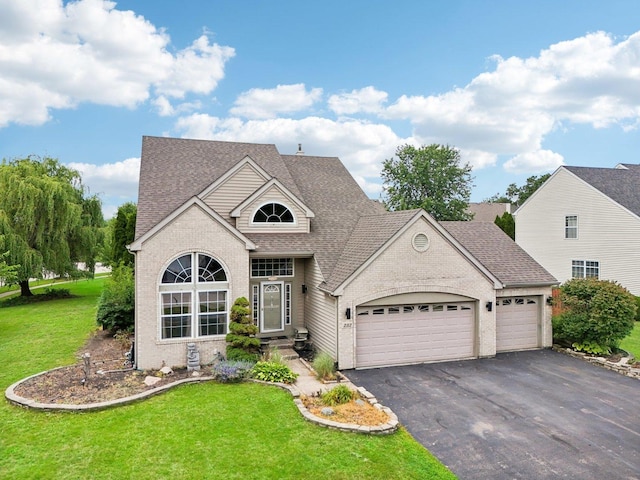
x,y
402,269
192,231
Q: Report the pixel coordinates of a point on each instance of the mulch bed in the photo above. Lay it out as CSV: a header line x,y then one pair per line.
x,y
108,378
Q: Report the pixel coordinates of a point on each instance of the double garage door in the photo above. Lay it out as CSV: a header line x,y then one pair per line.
x,y
404,334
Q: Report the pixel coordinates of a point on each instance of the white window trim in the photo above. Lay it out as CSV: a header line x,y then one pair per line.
x,y
272,224
195,287
293,267
566,228
584,267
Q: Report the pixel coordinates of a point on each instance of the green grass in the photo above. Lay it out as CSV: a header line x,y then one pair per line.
x,y
632,343
195,431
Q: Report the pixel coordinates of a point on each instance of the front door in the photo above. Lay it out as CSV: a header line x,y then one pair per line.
x,y
271,307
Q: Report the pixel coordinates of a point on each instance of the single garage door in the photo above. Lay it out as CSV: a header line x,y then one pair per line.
x,y
404,334
517,321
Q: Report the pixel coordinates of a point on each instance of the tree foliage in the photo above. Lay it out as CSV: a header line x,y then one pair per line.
x,y
243,344
507,224
122,234
430,177
8,273
516,195
595,314
46,220
116,307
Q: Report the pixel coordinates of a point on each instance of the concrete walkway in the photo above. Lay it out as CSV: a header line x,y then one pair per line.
x,y
307,383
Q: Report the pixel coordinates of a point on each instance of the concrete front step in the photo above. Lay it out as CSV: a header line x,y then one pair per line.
x,y
288,353
280,342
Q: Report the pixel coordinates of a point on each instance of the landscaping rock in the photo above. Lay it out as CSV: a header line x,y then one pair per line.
x,y
328,411
151,381
166,370
360,402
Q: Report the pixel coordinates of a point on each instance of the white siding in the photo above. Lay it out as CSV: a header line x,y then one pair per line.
x,y
236,189
320,311
607,233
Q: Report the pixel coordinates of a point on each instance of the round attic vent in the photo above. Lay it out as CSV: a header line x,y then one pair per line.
x,y
420,242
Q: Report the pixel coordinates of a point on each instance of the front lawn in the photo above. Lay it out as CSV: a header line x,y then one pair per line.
x,y
194,431
632,343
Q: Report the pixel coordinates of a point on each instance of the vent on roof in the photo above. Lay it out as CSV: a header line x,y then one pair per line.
x,y
420,242
299,152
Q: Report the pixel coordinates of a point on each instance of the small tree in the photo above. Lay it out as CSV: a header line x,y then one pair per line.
x,y
430,177
243,345
596,314
116,307
122,234
506,224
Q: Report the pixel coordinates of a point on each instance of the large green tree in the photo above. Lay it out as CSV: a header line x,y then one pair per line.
x,y
122,234
431,177
47,222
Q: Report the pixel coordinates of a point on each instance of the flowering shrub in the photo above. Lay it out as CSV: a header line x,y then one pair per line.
x,y
231,371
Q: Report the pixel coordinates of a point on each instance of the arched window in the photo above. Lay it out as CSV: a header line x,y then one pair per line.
x,y
193,305
273,213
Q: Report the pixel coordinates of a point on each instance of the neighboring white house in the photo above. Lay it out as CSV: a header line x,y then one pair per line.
x,y
298,237
585,222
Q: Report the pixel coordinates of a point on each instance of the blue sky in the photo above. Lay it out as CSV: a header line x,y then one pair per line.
x,y
519,87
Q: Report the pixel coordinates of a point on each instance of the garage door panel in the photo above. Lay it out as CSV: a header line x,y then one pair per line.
x,y
402,334
517,323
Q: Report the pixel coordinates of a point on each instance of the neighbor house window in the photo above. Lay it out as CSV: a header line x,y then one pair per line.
x,y
193,297
571,226
273,213
585,269
272,267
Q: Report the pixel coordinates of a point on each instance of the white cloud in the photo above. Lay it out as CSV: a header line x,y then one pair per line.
x,y
166,109
56,56
510,110
268,103
534,162
118,179
364,100
362,146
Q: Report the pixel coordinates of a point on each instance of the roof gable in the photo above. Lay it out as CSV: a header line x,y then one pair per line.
x,y
373,234
193,201
622,185
244,164
172,170
272,184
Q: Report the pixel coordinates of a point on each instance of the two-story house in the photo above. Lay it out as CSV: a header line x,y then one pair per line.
x,y
298,237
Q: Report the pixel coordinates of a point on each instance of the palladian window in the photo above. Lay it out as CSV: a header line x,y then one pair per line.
x,y
193,298
273,213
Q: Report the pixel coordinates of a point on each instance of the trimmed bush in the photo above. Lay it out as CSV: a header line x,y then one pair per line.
x,y
116,307
273,372
637,309
596,314
338,396
243,344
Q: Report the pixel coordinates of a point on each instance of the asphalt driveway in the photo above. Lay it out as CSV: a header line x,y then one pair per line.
x,y
525,415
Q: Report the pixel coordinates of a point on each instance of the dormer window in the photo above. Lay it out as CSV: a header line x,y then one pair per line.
x,y
273,213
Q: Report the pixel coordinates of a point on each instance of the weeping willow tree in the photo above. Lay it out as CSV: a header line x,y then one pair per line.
x,y
47,223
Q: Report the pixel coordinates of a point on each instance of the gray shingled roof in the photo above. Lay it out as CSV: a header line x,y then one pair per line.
x,y
369,235
348,227
619,184
487,212
499,254
172,170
